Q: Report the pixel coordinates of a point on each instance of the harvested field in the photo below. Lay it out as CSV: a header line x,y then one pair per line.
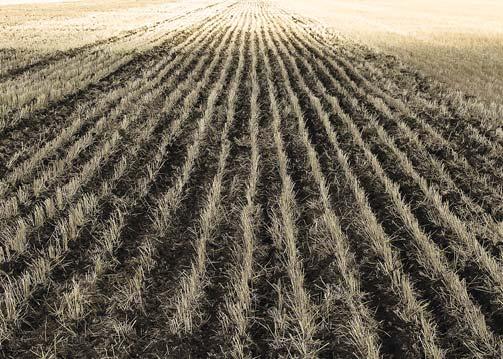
x,y
233,180
459,42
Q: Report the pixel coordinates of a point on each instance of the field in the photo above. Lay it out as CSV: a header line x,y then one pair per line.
x,y
205,179
459,42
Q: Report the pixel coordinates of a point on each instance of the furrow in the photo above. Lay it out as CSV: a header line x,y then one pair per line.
x,y
433,260
31,277
453,161
21,100
187,300
146,91
468,245
141,189
68,191
411,310
295,329
362,338
459,110
96,104
235,321
129,295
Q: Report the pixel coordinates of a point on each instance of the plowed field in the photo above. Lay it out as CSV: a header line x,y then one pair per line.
x,y
237,181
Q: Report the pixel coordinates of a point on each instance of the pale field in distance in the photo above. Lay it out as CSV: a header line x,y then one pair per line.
x,y
17,2
459,42
48,26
